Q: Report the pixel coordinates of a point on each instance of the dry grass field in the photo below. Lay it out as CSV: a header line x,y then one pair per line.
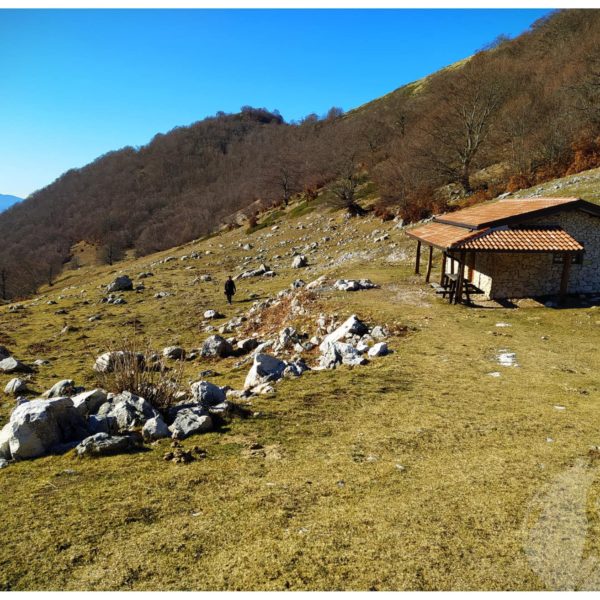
x,y
418,471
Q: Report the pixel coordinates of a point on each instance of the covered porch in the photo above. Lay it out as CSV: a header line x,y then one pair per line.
x,y
500,263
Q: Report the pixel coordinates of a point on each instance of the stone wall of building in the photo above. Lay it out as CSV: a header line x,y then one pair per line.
x,y
518,275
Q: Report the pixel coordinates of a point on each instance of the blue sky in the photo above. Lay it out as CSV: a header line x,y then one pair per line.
x,y
75,84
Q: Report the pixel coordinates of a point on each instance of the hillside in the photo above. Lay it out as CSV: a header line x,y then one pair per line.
x,y
420,464
533,112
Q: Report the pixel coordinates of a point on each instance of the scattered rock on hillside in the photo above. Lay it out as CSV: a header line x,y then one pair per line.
x,y
379,349
299,261
126,411
353,285
12,365
174,352
190,420
216,347
213,314
65,387
107,362
15,386
336,353
379,333
102,444
265,368
207,394
4,353
248,344
351,326
89,402
120,284
155,429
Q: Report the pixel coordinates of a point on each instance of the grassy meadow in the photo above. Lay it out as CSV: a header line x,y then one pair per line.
x,y
419,471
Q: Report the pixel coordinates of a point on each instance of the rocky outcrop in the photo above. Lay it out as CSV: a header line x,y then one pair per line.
x,y
39,426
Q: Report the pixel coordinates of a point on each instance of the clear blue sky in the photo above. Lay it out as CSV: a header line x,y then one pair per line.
x,y
75,84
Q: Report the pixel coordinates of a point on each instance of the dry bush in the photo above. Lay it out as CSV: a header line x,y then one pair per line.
x,y
518,182
383,212
252,220
586,155
142,371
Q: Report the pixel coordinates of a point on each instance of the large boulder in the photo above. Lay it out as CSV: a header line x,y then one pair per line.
x,y
38,426
207,394
15,386
127,412
4,352
102,444
12,365
216,347
265,368
190,420
155,429
88,403
109,361
351,326
120,284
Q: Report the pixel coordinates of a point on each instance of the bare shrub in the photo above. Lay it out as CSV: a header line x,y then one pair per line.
x,y
142,371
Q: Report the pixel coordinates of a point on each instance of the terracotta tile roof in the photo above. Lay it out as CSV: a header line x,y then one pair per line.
x,y
522,240
483,215
440,235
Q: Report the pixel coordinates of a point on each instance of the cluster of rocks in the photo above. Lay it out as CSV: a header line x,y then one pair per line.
x,y
350,343
97,423
261,271
353,285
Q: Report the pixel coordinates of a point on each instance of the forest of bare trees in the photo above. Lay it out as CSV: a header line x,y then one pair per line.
x,y
516,113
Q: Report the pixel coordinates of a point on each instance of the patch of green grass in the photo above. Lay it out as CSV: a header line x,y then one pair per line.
x,y
267,221
303,208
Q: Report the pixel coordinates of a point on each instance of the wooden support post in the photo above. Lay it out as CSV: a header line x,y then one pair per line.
x,y
443,273
460,279
564,280
429,261
418,260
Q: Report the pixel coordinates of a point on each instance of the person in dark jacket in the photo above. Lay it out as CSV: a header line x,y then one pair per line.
x,y
229,289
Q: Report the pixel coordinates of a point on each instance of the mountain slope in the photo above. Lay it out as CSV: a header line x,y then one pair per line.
x,y
534,99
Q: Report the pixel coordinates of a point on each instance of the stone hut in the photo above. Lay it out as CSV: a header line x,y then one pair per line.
x,y
515,248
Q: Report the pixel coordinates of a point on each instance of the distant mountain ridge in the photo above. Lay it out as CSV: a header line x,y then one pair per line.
x,y
7,200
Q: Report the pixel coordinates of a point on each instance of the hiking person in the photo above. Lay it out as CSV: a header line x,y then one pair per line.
x,y
229,289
